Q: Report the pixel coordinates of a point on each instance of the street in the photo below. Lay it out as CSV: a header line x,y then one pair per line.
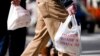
x,y
91,45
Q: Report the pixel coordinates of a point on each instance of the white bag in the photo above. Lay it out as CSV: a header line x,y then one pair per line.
x,y
67,40
18,17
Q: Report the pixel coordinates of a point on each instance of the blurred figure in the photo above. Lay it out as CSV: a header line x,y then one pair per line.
x,y
81,15
31,6
93,8
15,40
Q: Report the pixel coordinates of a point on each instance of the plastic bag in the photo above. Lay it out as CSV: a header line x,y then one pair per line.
x,y
67,40
18,17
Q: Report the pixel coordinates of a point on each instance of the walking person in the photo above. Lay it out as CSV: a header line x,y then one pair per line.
x,y
52,13
14,40
18,36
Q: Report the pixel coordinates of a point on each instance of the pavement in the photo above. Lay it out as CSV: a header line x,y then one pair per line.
x,y
91,45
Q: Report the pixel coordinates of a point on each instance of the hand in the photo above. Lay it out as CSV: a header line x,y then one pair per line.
x,y
71,9
16,2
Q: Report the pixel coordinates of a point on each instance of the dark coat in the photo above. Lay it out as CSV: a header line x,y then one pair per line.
x,y
4,10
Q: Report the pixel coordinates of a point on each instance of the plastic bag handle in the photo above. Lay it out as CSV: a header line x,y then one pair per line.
x,y
70,18
74,22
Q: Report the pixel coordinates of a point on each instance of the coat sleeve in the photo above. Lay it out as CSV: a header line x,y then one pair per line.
x,y
66,3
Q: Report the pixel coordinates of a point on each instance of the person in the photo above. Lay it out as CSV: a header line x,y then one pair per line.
x,y
15,40
52,13
3,25
18,36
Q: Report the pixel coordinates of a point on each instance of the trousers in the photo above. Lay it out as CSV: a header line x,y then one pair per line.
x,y
52,13
14,41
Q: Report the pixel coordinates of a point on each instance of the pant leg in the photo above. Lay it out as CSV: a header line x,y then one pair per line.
x,y
17,41
4,41
56,15
53,14
40,39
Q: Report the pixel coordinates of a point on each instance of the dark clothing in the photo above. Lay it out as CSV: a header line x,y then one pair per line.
x,y
23,3
15,40
66,3
5,5
4,41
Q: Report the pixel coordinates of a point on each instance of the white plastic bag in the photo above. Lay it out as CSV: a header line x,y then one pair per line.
x,y
18,17
67,40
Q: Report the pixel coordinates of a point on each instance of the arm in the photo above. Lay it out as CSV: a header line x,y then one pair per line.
x,y
16,2
20,2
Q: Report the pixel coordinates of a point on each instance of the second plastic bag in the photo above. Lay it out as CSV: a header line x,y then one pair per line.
x,y
18,17
67,40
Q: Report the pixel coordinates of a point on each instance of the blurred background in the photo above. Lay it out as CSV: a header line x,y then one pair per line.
x,y
88,16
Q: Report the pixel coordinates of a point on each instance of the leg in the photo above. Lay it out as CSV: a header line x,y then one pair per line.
x,y
17,41
53,16
4,41
40,39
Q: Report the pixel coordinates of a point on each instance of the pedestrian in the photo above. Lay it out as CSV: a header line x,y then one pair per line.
x,y
18,36
52,13
3,26
14,40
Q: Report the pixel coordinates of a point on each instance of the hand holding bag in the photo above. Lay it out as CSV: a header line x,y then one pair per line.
x,y
18,17
67,40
